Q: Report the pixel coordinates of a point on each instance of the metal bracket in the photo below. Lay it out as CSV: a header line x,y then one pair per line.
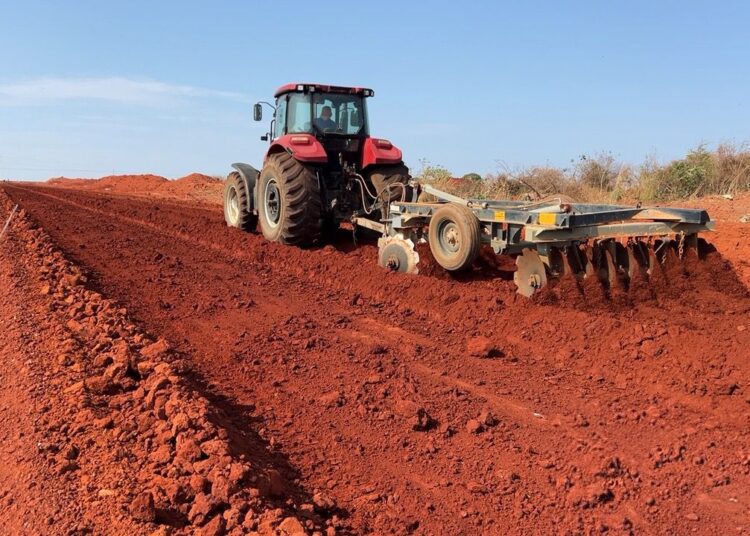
x,y
369,224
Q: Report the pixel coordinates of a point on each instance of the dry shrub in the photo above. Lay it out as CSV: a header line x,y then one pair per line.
x,y
732,169
600,178
702,172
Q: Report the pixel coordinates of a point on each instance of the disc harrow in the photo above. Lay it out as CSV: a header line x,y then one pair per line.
x,y
616,263
614,244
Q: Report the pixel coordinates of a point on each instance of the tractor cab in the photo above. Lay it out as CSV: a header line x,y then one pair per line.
x,y
327,126
324,112
320,110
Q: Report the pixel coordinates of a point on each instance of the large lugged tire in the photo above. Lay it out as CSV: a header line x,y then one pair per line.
x,y
236,213
381,177
454,237
289,204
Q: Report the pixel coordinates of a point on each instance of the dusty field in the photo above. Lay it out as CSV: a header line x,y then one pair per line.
x,y
162,373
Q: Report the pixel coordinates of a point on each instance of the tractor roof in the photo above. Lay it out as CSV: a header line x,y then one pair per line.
x,y
305,86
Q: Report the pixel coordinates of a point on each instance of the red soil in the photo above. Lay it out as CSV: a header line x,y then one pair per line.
x,y
356,400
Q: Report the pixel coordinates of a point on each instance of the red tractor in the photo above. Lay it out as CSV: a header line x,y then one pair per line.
x,y
322,167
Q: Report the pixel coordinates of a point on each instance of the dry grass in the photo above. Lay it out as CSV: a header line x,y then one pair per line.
x,y
601,178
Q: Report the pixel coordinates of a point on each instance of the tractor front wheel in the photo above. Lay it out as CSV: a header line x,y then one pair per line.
x,y
289,204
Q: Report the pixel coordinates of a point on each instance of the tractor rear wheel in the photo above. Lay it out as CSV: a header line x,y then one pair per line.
x,y
289,205
454,237
383,177
236,213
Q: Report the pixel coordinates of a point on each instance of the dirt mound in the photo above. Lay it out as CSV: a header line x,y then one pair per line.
x,y
66,182
121,184
197,181
194,186
125,184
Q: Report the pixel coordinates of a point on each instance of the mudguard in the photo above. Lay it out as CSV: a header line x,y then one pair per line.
x,y
303,147
378,151
250,177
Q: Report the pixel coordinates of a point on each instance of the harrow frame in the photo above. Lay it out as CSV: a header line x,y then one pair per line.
x,y
510,226
513,227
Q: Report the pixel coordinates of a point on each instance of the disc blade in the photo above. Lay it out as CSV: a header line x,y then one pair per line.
x,y
590,270
530,274
566,268
398,255
608,271
653,262
632,262
576,260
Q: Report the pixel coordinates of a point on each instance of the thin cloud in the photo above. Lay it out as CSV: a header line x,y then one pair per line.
x,y
50,90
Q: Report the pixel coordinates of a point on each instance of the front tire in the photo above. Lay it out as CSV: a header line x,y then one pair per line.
x,y
289,204
236,213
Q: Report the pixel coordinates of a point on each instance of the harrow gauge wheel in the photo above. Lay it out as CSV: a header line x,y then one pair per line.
x,y
398,255
454,237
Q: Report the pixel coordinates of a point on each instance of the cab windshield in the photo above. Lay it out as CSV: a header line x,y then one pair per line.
x,y
325,113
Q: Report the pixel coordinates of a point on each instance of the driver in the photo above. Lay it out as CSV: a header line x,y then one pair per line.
x,y
324,122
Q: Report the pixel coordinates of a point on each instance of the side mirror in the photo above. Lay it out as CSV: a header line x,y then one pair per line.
x,y
258,112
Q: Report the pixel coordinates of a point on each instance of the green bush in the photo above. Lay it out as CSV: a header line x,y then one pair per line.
x,y
679,179
432,173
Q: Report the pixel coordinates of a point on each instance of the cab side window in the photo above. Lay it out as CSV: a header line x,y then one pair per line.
x,y
280,125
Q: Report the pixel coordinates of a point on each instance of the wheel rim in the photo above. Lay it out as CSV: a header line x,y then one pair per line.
x,y
449,238
233,205
272,203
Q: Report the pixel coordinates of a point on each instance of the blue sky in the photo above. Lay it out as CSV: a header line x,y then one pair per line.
x,y
88,88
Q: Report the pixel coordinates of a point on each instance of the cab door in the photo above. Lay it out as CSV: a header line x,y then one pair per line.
x,y
279,124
